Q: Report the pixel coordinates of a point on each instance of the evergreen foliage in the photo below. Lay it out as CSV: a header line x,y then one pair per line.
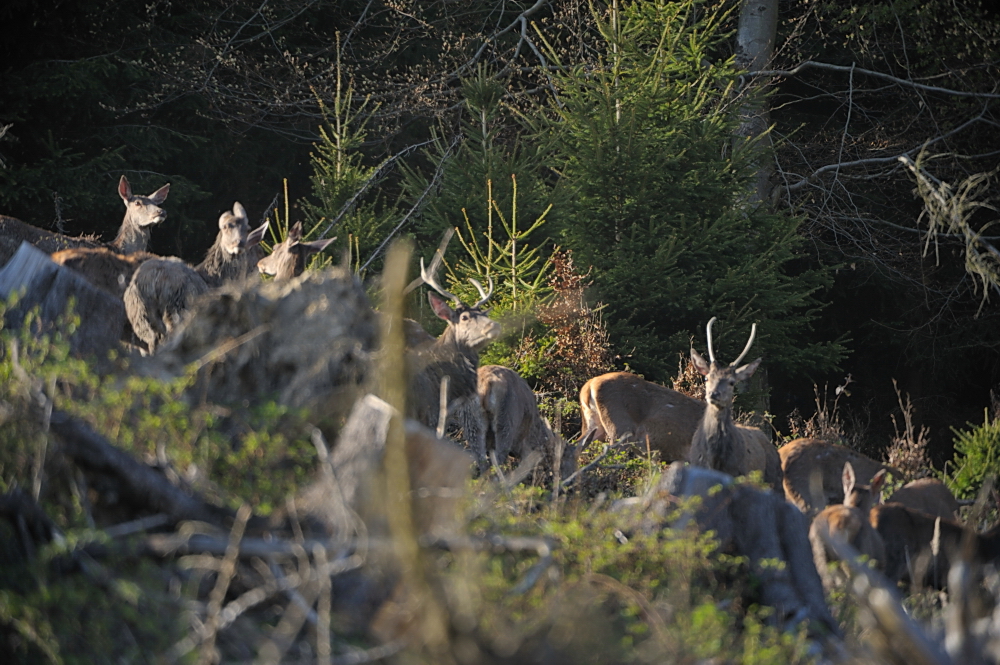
x,y
657,203
977,458
341,181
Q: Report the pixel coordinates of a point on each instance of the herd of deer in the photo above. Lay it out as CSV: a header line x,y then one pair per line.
x,y
913,536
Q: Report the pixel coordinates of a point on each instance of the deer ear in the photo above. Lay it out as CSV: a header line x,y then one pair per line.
x,y
847,478
700,363
160,195
239,210
314,246
124,189
255,236
441,308
745,372
877,481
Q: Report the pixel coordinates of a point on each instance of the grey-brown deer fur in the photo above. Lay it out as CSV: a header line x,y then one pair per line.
x,y
848,522
454,354
234,255
719,443
513,424
289,257
161,292
103,267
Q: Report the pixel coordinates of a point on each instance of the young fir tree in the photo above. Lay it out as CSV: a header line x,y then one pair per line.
x,y
342,184
642,139
480,165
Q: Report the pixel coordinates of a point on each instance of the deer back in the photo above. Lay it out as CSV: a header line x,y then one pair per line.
x,y
102,266
161,292
927,495
812,472
922,546
619,404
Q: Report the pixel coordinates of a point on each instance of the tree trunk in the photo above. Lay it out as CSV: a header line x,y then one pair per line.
x,y
754,48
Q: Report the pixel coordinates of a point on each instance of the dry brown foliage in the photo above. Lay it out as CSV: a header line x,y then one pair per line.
x,y
581,348
908,450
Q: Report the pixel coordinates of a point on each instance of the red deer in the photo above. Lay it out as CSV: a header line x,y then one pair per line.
x,y
288,258
847,522
813,468
719,443
922,546
620,404
232,257
513,424
141,213
454,354
161,291
103,267
928,495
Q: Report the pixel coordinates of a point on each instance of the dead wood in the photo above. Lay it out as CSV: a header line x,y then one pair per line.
x,y
51,288
147,489
751,522
303,342
30,523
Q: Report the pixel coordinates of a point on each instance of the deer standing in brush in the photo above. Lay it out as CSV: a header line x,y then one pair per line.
x,y
847,522
232,257
513,424
719,443
812,472
455,354
620,404
288,258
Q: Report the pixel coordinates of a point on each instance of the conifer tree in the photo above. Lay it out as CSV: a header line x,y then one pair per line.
x,y
643,144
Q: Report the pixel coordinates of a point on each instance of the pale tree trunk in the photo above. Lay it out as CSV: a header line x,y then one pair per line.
x,y
754,48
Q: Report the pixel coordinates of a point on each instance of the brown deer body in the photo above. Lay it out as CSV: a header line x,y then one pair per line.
x,y
847,522
233,256
719,443
513,424
813,470
288,258
141,214
103,267
923,545
454,354
928,495
162,290
619,404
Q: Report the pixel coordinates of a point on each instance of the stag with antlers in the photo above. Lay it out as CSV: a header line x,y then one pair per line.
x,y
455,355
719,443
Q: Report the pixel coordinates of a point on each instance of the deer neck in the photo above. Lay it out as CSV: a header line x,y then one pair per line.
x,y
717,432
131,237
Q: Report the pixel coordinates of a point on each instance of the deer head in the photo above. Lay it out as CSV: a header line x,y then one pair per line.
x,y
288,258
859,496
234,231
468,325
720,380
141,211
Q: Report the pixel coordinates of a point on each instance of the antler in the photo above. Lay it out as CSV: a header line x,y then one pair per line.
x,y
753,333
482,294
708,333
431,281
